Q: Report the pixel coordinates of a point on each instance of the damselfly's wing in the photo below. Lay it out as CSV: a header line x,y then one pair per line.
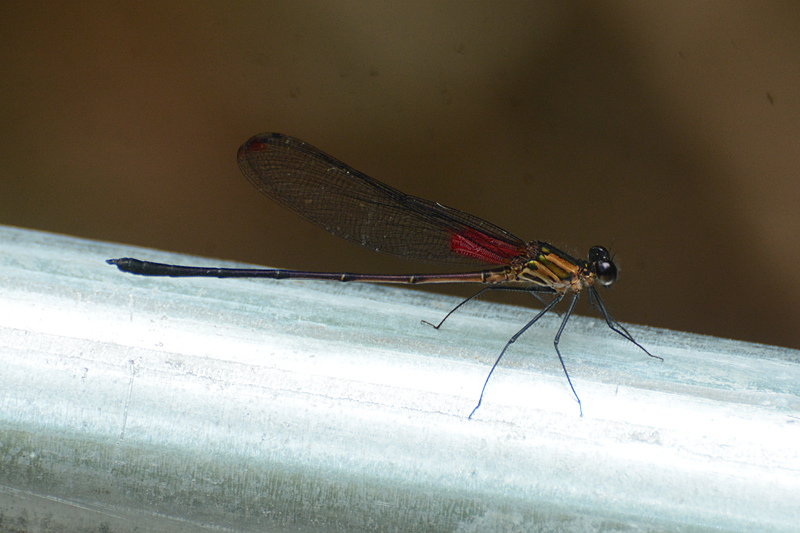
x,y
351,205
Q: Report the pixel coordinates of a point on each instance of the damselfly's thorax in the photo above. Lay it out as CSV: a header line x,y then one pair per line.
x,y
547,266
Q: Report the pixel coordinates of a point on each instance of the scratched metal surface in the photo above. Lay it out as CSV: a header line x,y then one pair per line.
x,y
170,405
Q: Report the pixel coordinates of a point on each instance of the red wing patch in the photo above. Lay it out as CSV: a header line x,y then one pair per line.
x,y
254,146
480,246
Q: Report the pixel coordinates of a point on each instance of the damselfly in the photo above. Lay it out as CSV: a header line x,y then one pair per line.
x,y
351,205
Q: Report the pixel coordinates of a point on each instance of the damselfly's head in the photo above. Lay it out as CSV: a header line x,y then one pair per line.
x,y
604,268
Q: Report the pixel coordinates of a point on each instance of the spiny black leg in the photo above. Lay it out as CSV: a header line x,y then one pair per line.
x,y
453,310
535,291
597,303
511,341
555,344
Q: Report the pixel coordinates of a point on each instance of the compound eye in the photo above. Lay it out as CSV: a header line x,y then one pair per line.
x,y
606,272
598,253
604,268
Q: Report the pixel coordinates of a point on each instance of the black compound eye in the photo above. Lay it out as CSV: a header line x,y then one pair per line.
x,y
606,272
598,253
604,268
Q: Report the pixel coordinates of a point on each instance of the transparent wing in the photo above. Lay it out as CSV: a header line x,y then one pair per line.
x,y
351,205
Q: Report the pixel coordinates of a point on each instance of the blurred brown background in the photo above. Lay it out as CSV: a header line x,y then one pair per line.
x,y
669,132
